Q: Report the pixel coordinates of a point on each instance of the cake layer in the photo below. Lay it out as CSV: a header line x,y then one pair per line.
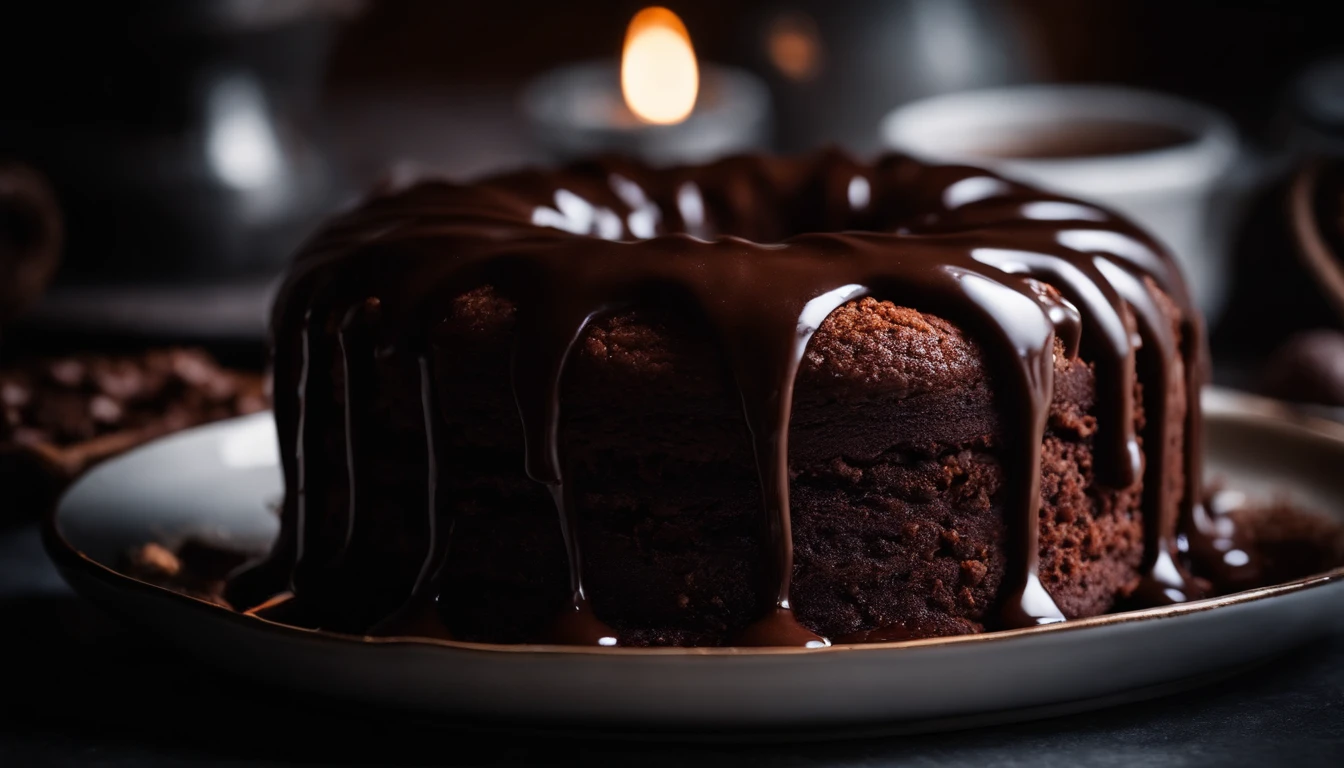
x,y
895,484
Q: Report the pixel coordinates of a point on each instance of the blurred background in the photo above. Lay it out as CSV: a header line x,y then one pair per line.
x,y
160,160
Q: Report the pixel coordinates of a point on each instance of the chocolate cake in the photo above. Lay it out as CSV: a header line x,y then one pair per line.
x,y
767,401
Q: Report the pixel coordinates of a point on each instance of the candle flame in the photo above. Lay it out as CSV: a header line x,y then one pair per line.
x,y
659,75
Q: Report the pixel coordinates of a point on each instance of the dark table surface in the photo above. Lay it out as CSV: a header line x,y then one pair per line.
x,y
77,688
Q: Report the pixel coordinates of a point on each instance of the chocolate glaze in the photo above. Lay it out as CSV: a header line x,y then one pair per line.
x,y
1017,268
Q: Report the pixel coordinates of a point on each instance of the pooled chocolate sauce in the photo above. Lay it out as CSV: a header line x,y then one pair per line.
x,y
763,249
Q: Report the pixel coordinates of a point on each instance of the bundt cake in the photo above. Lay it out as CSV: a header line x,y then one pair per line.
x,y
767,401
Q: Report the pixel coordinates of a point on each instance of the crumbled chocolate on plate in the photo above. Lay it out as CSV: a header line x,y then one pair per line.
x,y
195,567
60,416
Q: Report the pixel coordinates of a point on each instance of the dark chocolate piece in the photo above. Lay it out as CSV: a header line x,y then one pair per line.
x,y
1307,368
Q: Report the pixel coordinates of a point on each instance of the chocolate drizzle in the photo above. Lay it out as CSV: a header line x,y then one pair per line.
x,y
1028,274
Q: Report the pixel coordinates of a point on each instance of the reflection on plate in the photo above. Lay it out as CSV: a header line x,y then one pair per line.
x,y
220,482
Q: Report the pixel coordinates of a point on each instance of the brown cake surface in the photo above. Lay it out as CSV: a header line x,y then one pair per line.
x,y
410,359
894,479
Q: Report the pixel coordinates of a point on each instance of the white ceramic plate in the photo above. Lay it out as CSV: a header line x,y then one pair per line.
x,y
221,481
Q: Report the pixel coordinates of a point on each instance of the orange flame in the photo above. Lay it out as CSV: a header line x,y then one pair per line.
x,y
659,74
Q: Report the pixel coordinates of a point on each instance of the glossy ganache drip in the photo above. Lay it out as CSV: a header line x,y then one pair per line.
x,y
764,249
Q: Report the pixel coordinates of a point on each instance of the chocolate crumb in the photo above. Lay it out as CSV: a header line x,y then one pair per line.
x,y
153,562
1307,368
68,373
195,567
104,410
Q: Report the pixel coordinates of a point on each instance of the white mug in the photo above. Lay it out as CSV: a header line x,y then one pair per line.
x,y
1175,179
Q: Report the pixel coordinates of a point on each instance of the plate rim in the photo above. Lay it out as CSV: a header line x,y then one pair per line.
x,y
1226,404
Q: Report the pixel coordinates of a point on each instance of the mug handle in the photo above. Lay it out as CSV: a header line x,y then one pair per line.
x,y
1311,245
32,233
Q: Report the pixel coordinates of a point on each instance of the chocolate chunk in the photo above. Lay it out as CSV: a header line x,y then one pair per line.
x,y
192,368
104,410
14,395
121,380
68,372
1307,368
153,562
66,414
